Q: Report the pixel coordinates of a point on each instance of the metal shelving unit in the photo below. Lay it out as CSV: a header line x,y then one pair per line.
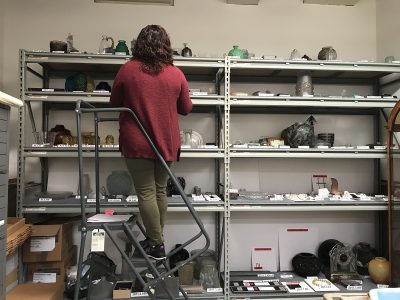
x,y
227,71
323,72
49,66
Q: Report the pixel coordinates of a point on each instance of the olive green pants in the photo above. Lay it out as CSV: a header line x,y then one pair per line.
x,y
150,181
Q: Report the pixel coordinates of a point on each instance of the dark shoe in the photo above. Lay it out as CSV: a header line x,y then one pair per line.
x,y
156,252
144,244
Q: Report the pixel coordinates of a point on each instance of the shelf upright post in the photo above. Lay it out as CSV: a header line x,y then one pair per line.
x,y
21,135
226,176
20,154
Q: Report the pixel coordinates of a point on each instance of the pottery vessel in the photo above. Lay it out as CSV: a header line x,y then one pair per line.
x,y
58,46
236,52
104,46
59,133
186,52
365,253
295,54
80,82
208,255
324,248
122,47
119,183
304,85
327,53
379,270
109,140
306,264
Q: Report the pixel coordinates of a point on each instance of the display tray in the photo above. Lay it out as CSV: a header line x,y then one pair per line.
x,y
288,277
244,148
266,201
109,201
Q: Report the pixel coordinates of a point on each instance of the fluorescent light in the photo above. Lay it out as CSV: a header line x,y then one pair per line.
x,y
331,2
10,100
243,2
156,2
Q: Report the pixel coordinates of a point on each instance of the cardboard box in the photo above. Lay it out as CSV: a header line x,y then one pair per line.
x,y
50,272
11,271
48,243
122,290
37,291
17,233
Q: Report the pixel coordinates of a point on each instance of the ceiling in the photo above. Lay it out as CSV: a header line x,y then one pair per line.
x,y
238,2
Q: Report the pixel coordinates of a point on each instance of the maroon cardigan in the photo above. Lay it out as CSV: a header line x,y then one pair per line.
x,y
157,100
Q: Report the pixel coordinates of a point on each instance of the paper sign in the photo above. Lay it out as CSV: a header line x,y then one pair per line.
x,y
293,241
98,238
42,243
44,277
297,287
321,285
263,259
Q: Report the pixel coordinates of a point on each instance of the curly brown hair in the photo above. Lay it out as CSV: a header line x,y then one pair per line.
x,y
153,49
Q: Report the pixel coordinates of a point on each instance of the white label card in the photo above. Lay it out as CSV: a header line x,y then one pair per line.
x,y
113,200
214,290
382,286
98,238
42,244
354,287
266,275
45,199
44,277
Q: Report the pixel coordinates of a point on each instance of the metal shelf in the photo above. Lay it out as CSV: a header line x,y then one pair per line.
x,y
332,70
237,276
307,153
127,209
72,205
111,152
317,207
65,97
108,63
316,101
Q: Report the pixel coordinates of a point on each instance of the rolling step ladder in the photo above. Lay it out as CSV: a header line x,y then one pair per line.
x,y
127,223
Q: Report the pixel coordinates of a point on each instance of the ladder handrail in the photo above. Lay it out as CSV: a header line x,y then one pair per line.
x,y
92,109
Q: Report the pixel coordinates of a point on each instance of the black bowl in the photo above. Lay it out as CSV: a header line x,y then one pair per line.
x,y
306,264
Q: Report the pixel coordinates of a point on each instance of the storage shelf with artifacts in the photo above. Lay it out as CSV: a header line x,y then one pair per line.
x,y
250,155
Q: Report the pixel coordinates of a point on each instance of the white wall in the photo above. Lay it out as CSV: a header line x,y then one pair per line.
x,y
2,8
388,26
210,26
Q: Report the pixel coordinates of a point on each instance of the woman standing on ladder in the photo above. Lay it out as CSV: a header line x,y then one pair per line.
x,y
157,92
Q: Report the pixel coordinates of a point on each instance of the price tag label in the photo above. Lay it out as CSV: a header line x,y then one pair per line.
x,y
44,277
214,290
45,199
354,287
113,200
382,286
268,275
132,198
139,294
91,200
286,276
98,238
